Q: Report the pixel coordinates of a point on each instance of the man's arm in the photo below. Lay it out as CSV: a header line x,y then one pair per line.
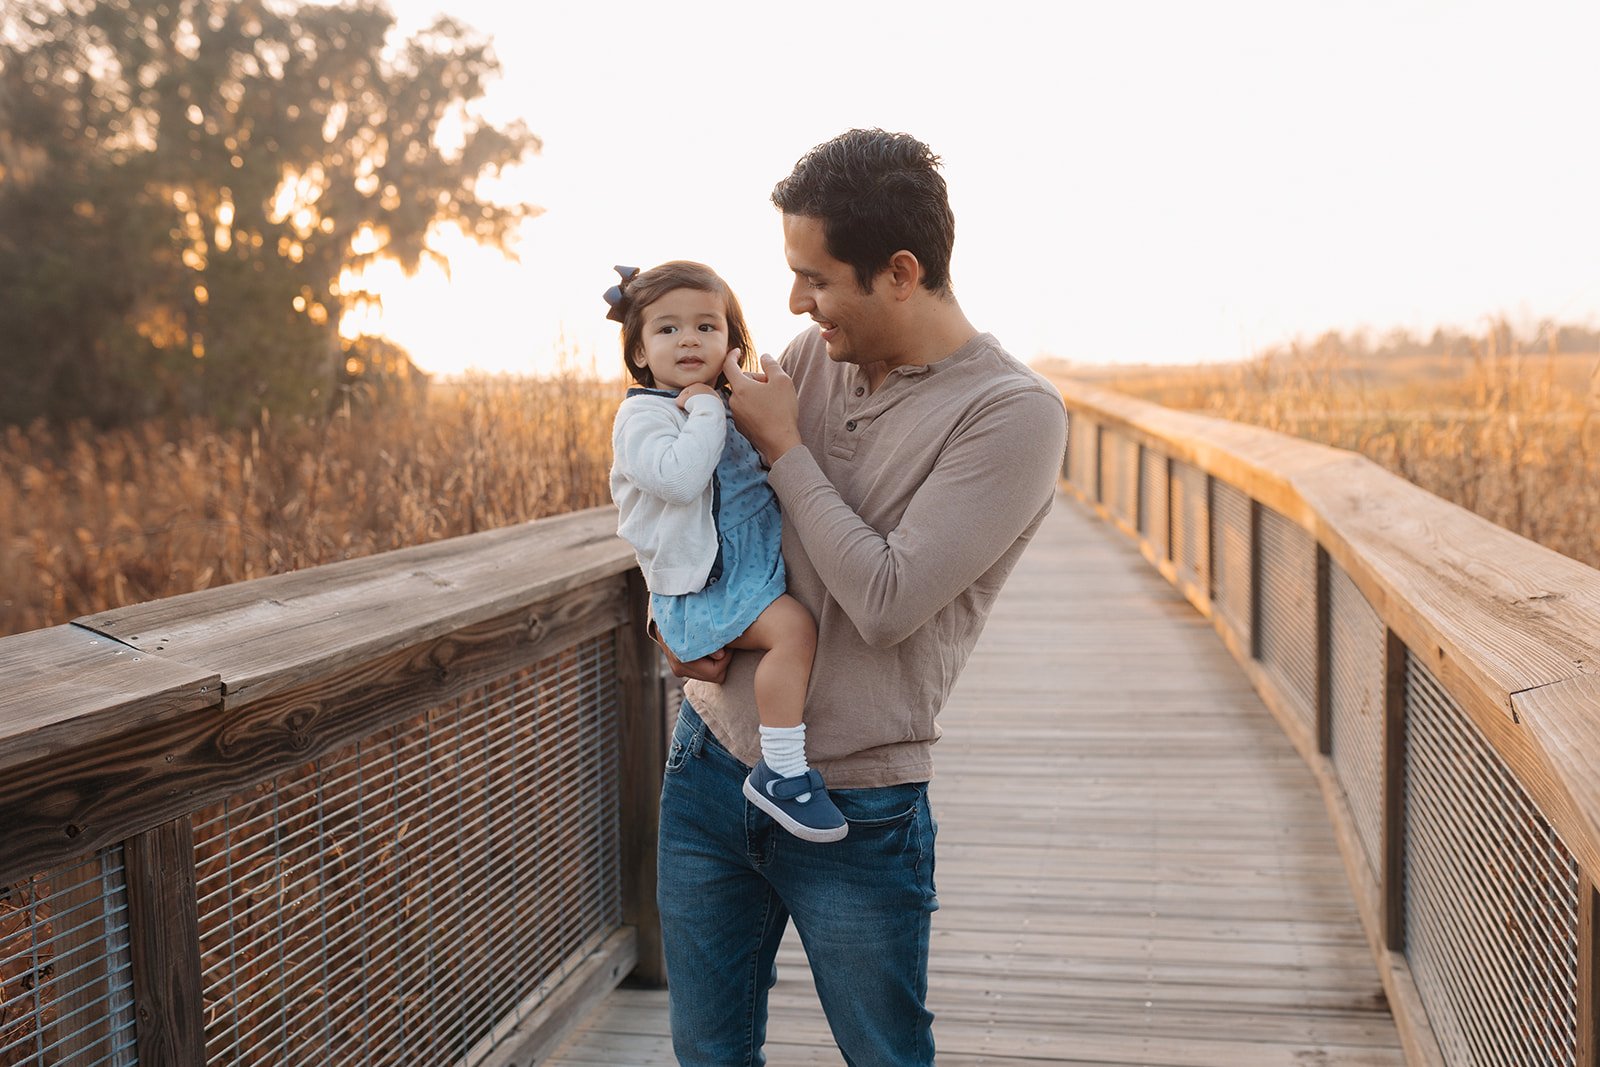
x,y
989,483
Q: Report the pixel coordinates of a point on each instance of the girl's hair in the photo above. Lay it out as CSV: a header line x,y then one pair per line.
x,y
646,287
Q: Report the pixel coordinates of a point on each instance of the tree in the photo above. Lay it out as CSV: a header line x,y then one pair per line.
x,y
184,183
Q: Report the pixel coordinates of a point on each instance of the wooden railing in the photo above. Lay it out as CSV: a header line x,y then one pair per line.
x,y
1441,677
396,810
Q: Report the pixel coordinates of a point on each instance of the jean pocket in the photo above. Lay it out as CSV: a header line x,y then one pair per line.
x,y
885,807
682,742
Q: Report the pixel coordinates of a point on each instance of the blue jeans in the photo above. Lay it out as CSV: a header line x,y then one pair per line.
x,y
729,881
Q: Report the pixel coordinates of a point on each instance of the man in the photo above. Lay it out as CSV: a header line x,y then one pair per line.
x,y
913,459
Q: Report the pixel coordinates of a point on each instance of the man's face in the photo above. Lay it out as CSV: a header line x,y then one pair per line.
x,y
856,326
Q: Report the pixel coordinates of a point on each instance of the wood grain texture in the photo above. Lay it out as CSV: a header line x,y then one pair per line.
x,y
65,685
62,804
272,634
643,756
553,1013
1516,614
1135,867
1392,877
1588,972
1496,618
164,933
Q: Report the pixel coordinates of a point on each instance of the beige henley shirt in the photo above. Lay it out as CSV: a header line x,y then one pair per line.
x,y
903,514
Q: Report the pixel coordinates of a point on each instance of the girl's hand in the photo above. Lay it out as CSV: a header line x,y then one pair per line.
x,y
697,389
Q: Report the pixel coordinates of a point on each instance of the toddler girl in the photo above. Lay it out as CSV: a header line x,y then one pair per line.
x,y
694,503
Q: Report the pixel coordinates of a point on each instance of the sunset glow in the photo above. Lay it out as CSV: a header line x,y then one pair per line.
x,y
1146,182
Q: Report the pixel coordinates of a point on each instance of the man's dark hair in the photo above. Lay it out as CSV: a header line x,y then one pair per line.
x,y
875,193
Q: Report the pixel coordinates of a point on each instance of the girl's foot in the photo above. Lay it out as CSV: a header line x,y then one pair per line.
x,y
800,805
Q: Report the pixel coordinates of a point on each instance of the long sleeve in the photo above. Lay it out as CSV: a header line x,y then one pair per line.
x,y
663,459
990,482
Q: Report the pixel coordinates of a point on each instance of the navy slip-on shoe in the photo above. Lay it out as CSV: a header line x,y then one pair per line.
x,y
814,818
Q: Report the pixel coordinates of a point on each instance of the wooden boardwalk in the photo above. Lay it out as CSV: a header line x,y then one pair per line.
x,y
1135,868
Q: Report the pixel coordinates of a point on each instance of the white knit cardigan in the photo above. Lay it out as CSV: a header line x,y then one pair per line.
x,y
664,458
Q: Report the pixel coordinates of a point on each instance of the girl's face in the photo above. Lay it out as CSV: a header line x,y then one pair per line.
x,y
685,338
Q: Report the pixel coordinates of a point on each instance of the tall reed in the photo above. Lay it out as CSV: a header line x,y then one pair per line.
x,y
1511,434
91,520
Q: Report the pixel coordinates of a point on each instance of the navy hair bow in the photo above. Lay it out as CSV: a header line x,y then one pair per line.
x,y
614,295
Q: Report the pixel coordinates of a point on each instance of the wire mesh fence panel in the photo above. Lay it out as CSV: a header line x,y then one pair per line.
x,y
1189,522
1153,499
66,976
1356,649
1287,606
1230,543
1080,445
406,899
1119,473
1491,896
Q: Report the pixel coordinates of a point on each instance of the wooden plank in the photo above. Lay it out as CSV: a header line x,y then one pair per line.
x,y
60,805
1563,723
1324,641
164,933
1492,614
1392,878
1588,971
65,684
643,757
273,634
552,1014
1170,893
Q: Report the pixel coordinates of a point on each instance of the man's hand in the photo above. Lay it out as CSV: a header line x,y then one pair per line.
x,y
696,389
765,407
712,668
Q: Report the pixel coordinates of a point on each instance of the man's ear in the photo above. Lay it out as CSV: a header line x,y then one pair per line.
x,y
904,274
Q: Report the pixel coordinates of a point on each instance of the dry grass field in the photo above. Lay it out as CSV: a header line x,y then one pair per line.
x,y
1512,435
90,521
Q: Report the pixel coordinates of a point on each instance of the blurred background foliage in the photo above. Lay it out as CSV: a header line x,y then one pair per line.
x,y
188,188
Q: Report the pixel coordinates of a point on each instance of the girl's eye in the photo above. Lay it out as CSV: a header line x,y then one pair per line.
x,y
669,329
706,327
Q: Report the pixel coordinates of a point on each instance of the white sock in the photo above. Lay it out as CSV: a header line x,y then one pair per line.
x,y
784,749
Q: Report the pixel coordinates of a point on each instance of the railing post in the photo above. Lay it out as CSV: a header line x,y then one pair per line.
x,y
1394,792
1099,463
1139,517
1588,971
1255,578
1167,461
1211,541
164,931
1324,640
644,754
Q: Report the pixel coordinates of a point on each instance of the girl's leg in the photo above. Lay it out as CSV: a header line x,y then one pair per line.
x,y
789,637
783,784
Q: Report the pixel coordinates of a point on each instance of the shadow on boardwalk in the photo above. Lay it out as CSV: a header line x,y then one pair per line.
x,y
1134,865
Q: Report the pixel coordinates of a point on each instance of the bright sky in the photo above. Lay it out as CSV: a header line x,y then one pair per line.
x,y
1132,182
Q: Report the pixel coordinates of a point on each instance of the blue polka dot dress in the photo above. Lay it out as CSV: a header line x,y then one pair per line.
x,y
750,541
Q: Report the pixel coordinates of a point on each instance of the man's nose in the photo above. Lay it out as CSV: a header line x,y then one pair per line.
x,y
799,302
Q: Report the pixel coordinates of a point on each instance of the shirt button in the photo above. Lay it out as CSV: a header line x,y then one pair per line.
x,y
861,390
851,425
